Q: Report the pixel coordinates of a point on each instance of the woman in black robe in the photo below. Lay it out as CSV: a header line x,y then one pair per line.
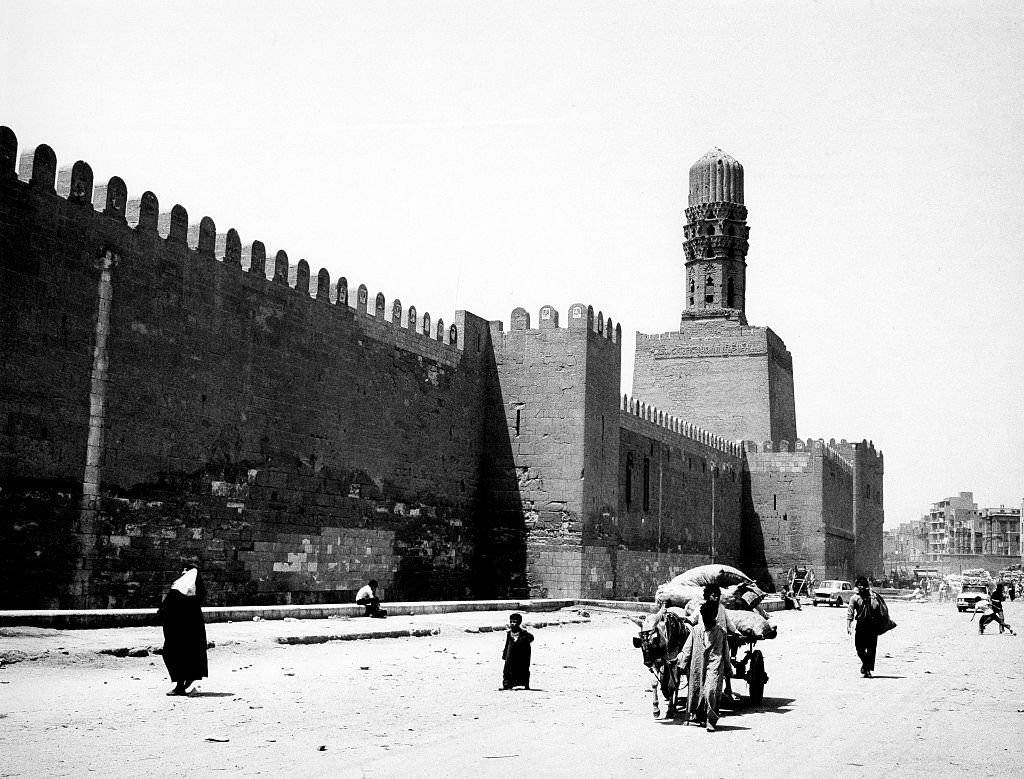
x,y
184,631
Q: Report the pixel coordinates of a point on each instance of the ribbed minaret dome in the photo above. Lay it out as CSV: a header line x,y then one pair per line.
x,y
716,178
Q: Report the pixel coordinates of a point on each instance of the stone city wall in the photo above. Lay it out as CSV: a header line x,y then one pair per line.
x,y
292,443
868,511
680,500
800,510
554,383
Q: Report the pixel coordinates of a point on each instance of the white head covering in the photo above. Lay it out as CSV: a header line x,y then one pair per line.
x,y
186,583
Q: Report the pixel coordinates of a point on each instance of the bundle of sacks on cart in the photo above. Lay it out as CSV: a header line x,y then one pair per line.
x,y
740,597
1013,574
970,576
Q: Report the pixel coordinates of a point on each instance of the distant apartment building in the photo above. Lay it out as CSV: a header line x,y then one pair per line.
x,y
953,526
1000,531
956,534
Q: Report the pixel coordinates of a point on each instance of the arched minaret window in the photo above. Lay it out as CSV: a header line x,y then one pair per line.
x,y
731,294
709,282
709,252
691,285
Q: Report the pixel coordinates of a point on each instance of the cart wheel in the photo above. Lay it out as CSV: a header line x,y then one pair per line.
x,y
756,676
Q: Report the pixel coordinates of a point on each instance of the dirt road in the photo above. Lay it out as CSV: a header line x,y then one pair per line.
x,y
945,701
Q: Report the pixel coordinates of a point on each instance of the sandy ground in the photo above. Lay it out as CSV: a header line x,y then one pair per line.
x,y
945,701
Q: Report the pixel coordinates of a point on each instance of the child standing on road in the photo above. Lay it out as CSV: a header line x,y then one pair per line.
x,y
516,655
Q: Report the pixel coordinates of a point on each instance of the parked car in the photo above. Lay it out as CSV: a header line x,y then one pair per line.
x,y
833,592
969,595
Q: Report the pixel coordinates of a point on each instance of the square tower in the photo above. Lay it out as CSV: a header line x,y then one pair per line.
x,y
727,377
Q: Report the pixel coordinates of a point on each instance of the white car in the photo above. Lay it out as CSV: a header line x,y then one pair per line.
x,y
970,595
834,592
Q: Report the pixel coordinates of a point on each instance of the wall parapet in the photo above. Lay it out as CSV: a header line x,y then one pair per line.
x,y
580,317
37,170
679,426
829,451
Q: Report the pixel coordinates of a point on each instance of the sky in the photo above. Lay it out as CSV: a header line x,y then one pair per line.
x,y
487,155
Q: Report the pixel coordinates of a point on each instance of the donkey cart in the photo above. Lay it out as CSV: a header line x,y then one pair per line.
x,y
750,667
660,644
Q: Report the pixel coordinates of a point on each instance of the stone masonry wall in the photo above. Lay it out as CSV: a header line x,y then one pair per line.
x,y
868,511
731,379
601,441
292,444
799,511
782,395
544,376
677,485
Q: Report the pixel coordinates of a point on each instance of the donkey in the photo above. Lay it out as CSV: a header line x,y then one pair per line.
x,y
661,637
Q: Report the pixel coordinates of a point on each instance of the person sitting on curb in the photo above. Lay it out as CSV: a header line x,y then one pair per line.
x,y
367,598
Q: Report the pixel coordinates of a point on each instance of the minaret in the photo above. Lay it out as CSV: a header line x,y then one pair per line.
x,y
716,235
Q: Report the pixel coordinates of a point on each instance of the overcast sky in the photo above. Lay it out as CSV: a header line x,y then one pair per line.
x,y
488,155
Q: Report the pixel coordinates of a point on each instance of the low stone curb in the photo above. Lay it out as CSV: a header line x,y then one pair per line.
x,y
412,633
501,628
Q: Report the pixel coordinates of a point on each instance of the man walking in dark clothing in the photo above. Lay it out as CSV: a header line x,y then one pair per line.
x,y
865,637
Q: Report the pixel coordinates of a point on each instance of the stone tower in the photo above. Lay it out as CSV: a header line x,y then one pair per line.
x,y
716,240
718,372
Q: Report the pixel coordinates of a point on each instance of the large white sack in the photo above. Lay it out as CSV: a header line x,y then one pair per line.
x,y
750,624
722,575
673,594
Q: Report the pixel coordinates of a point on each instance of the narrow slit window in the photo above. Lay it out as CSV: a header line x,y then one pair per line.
x,y
629,480
647,484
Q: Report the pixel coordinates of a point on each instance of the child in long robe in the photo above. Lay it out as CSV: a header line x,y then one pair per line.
x,y
516,672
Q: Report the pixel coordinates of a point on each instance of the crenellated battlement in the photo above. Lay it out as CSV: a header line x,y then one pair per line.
x,y
140,216
580,317
862,450
676,425
830,451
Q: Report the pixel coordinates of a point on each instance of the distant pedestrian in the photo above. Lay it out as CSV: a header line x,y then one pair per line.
x,y
865,637
516,654
943,591
367,598
181,616
993,608
1012,591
